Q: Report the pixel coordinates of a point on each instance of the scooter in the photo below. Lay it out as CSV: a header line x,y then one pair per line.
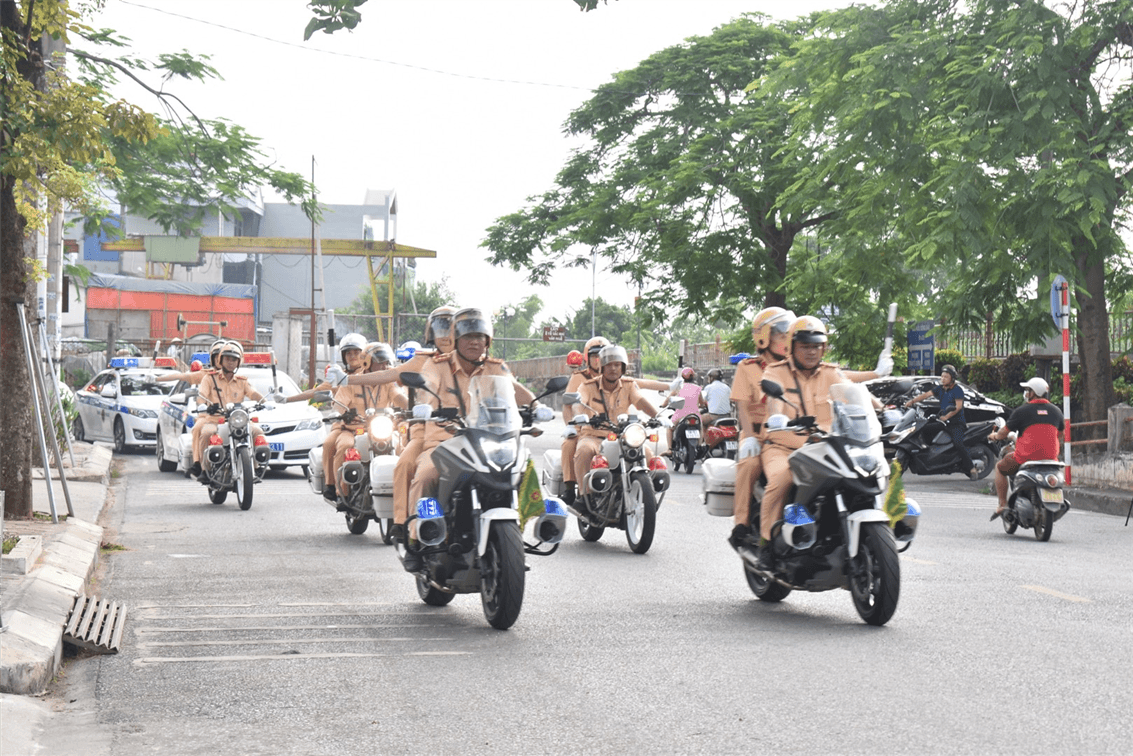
x,y
721,438
1035,498
688,446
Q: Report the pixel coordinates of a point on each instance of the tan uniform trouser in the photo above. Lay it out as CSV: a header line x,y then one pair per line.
x,y
209,426
779,484
197,439
747,473
570,445
587,447
402,476
334,453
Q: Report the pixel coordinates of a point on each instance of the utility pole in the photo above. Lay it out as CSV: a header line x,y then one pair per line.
x,y
593,285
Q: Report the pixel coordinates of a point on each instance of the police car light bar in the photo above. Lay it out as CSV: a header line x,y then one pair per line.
x,y
201,357
124,362
257,358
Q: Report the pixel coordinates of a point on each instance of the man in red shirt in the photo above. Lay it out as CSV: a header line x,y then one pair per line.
x,y
1038,423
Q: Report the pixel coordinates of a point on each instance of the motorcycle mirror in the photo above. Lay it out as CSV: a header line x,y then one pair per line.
x,y
412,380
192,391
771,388
902,386
558,383
677,402
320,397
571,397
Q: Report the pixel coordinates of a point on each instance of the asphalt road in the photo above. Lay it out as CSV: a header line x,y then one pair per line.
x,y
274,631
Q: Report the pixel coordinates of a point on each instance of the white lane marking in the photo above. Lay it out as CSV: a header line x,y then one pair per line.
x,y
303,615
150,660
273,641
220,629
914,560
188,556
1056,594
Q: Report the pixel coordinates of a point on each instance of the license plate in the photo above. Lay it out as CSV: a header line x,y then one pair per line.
x,y
692,434
1053,495
275,446
729,445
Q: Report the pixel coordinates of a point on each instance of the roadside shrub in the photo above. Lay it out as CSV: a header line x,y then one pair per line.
x,y
951,357
1016,368
984,375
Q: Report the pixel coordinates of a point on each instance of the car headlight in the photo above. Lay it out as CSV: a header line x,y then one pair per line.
x,y
148,414
634,435
500,453
238,420
381,428
305,425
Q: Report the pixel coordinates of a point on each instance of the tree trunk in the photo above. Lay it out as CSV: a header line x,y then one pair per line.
x,y
17,424
1093,344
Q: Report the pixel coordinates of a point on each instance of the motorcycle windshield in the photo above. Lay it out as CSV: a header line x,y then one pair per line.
x,y
853,415
492,407
908,420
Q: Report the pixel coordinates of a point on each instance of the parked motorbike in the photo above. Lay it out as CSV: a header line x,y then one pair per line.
x,y
625,492
920,443
469,536
688,445
835,532
1035,498
364,483
233,460
722,438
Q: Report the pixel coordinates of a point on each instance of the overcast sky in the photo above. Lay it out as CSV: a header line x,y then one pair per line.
x,y
458,105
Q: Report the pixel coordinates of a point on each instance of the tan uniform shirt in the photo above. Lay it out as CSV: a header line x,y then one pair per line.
x,y
445,371
218,389
747,394
811,393
617,402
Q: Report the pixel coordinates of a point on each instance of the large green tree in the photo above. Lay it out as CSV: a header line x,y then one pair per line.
x,y
995,138
65,139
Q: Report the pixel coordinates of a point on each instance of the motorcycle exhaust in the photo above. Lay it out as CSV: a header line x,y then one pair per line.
x,y
551,526
351,472
798,530
431,529
262,455
598,480
216,455
661,480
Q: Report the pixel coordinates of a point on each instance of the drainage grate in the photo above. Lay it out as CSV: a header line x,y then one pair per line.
x,y
95,625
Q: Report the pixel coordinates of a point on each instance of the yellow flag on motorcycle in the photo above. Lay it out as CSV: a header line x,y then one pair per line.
x,y
530,495
895,506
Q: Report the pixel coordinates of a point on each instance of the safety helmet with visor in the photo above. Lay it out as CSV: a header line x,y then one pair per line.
x,y
807,330
468,321
231,349
214,352
379,352
439,322
767,322
351,341
613,353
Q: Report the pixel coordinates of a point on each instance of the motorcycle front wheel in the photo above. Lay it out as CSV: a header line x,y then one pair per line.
x,y
640,513
875,582
246,480
590,533
384,528
1044,518
357,525
502,575
217,496
987,456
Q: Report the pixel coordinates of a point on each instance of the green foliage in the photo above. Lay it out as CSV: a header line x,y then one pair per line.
x,y
951,357
427,296
985,376
1015,369
332,15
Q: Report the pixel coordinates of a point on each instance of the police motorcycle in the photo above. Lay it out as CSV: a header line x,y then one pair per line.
x,y
625,492
468,537
937,455
364,483
1035,498
234,460
834,533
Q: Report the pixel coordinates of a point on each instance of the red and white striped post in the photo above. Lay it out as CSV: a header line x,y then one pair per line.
x,y
1064,316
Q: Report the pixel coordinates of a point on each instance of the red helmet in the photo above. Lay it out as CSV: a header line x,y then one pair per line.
x,y
195,366
575,359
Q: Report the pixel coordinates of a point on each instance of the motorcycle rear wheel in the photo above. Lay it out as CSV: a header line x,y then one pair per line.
x,y
1009,527
431,595
876,582
357,525
1044,518
217,496
689,457
640,513
765,589
246,480
502,575
590,533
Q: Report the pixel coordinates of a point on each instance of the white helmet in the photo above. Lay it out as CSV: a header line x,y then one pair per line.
x,y
614,353
351,341
231,349
1038,385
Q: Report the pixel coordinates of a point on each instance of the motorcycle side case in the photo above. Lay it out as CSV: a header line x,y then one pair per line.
x,y
719,476
553,472
185,443
315,468
381,484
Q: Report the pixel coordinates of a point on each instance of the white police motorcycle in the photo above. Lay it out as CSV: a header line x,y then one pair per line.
x,y
468,537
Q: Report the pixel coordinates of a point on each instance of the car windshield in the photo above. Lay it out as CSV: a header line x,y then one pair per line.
x,y
261,381
142,384
492,405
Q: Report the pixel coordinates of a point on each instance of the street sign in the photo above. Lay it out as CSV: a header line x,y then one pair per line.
x,y
554,333
922,345
1056,300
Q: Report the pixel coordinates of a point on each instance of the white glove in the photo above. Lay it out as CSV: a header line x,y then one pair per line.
x,y
665,422
543,414
422,411
579,419
749,448
269,405
569,432
677,384
884,365
336,376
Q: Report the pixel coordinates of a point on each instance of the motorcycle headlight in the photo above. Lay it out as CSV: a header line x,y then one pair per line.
x,y
381,428
867,462
634,435
238,420
500,453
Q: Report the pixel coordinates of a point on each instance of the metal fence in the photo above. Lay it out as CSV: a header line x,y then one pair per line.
x,y
989,344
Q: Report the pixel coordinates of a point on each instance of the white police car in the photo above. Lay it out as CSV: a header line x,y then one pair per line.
x,y
121,403
292,430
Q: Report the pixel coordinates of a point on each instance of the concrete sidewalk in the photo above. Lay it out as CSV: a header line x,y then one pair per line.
x,y
48,570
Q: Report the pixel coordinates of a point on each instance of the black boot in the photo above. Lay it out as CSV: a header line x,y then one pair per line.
x,y
568,494
739,536
412,561
329,494
195,470
765,558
